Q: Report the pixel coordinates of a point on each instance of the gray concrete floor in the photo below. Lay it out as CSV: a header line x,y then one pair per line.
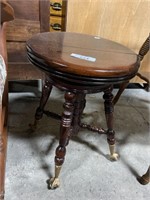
x,y
87,173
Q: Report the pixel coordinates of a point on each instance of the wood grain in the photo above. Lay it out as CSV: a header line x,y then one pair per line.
x,y
22,30
126,22
52,52
31,17
28,10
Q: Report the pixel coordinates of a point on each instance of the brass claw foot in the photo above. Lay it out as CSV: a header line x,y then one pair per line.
x,y
114,157
54,183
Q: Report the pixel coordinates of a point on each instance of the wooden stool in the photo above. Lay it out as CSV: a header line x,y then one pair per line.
x,y
79,64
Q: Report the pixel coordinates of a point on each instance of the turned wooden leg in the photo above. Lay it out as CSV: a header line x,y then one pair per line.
x,y
47,87
3,146
79,106
145,179
109,109
120,91
65,134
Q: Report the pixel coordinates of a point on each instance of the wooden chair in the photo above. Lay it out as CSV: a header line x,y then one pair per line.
x,y
142,52
31,17
145,179
6,15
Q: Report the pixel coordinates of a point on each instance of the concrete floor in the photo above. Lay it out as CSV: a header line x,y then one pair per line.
x,y
87,173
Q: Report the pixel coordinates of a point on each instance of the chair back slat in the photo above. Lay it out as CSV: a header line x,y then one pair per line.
x,y
144,48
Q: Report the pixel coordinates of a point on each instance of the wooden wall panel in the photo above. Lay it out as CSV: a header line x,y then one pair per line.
x,y
22,30
124,21
32,6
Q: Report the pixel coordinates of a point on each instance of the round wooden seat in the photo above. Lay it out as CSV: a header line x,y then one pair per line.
x,y
82,58
79,64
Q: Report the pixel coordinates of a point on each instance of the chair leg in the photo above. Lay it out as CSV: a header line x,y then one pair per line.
x,y
109,109
3,147
146,80
47,88
145,179
65,134
120,91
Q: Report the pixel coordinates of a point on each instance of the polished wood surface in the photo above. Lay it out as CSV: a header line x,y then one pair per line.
x,y
126,22
142,52
112,59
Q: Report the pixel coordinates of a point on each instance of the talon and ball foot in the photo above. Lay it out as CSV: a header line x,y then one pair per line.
x,y
114,157
54,183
